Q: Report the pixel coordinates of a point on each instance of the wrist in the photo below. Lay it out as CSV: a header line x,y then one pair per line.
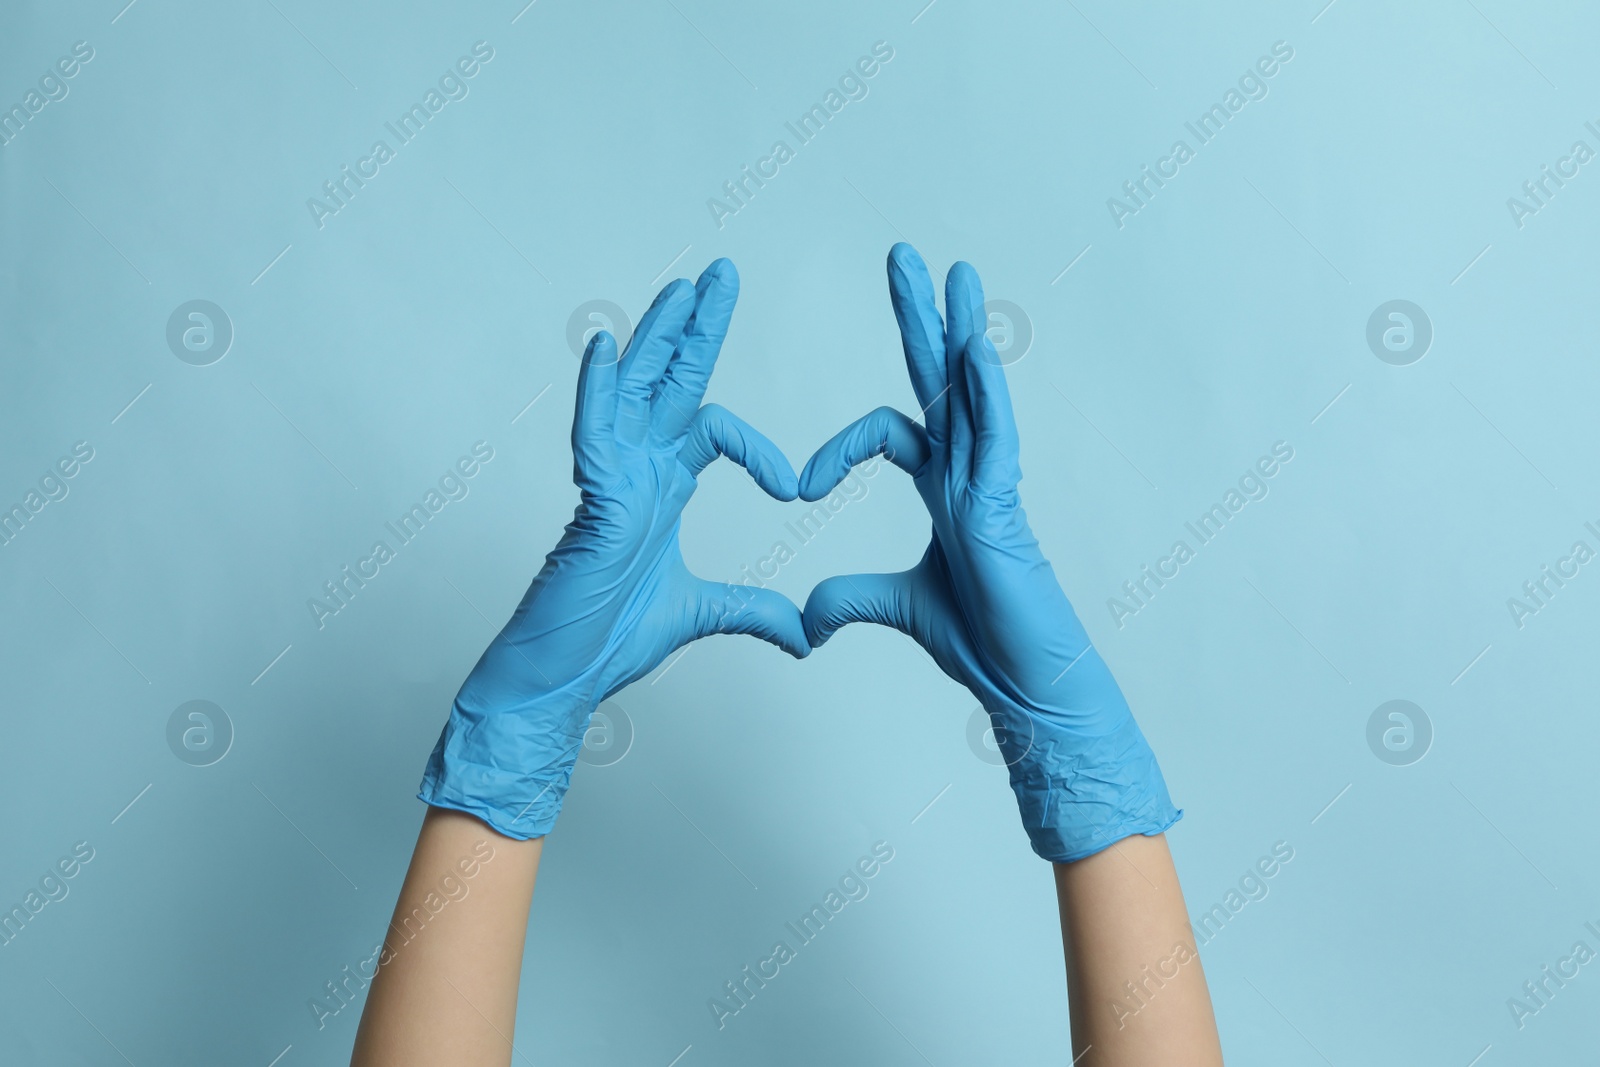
x,y
1079,794
468,769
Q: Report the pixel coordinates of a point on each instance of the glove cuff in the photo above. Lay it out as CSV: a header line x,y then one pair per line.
x,y
1079,796
520,801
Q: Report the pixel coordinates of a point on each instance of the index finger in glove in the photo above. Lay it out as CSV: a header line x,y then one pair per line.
x,y
883,432
716,431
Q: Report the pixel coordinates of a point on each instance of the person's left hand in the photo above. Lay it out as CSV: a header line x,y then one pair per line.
x,y
984,601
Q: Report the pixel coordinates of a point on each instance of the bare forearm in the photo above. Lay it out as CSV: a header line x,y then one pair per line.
x,y
446,987
1135,985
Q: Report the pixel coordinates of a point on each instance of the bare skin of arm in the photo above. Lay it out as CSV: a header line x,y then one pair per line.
x,y
446,987
1135,986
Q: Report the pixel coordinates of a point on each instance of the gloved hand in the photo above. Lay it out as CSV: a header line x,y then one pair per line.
x,y
614,597
984,601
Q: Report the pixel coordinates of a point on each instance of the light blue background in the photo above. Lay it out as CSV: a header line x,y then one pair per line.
x,y
1223,317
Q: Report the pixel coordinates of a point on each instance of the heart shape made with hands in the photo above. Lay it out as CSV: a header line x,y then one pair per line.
x,y
614,597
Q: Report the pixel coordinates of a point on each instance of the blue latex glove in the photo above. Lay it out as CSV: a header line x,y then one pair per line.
x,y
614,597
984,602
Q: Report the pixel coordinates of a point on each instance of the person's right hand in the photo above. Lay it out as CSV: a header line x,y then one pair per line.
x,y
614,597
984,602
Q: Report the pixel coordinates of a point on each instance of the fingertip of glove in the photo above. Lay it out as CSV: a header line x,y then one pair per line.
x,y
803,487
787,637
778,478
677,290
814,483
963,272
810,622
722,269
